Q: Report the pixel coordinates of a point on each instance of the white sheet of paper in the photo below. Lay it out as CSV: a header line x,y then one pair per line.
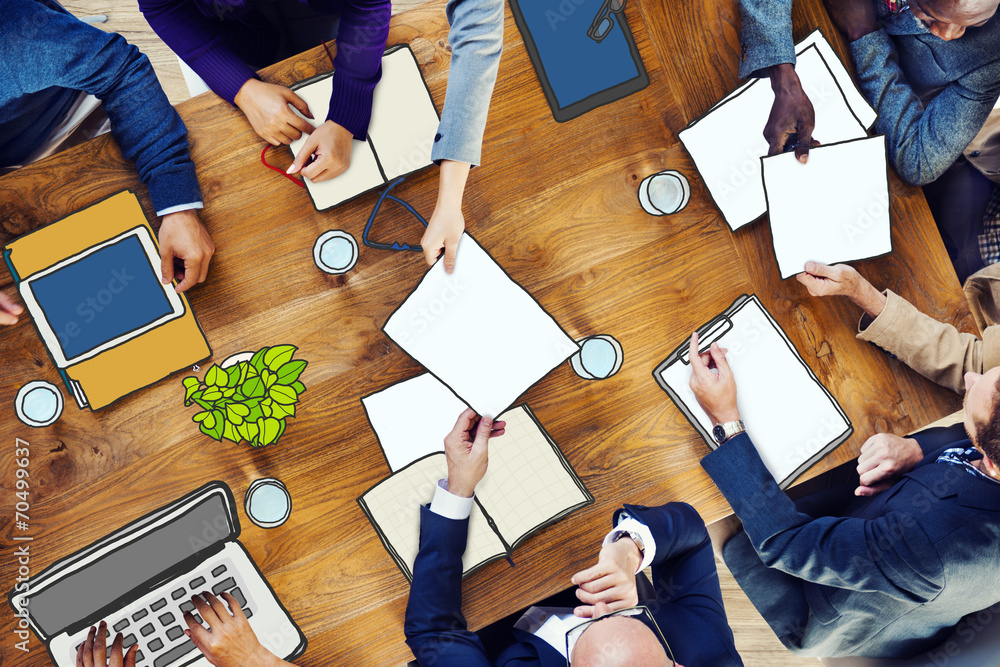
x,y
402,128
727,143
411,418
479,331
834,209
855,99
395,503
788,414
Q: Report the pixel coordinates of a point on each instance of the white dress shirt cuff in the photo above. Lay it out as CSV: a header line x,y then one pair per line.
x,y
179,208
628,524
449,505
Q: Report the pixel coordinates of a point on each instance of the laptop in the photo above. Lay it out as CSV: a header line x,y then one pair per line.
x,y
141,577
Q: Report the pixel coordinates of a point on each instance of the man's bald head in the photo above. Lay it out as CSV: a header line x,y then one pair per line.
x,y
619,641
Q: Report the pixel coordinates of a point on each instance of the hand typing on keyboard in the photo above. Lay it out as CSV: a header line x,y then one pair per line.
x,y
94,651
228,641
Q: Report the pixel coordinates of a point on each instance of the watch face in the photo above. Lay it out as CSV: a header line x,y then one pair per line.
x,y
719,433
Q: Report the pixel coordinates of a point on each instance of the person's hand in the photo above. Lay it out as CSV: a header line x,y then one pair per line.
x,y
611,581
854,18
841,279
447,223
467,452
713,383
229,640
329,148
885,457
9,310
185,249
791,114
266,107
444,231
94,651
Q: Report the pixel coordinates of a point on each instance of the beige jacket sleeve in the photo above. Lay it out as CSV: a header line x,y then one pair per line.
x,y
934,349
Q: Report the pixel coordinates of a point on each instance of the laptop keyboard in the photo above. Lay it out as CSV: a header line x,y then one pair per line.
x,y
157,624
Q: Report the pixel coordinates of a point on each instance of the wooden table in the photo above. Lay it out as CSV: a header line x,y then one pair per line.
x,y
556,205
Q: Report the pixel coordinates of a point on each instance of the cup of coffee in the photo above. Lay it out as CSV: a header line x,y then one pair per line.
x,y
38,403
664,193
268,503
335,252
599,357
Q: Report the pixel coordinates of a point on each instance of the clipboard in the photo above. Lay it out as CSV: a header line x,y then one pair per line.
x,y
583,53
792,418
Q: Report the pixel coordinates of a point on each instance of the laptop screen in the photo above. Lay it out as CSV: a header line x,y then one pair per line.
x,y
101,297
155,557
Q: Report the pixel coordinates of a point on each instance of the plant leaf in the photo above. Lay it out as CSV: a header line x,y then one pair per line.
x,y
201,416
188,393
282,394
278,355
290,371
281,411
212,394
230,433
233,376
212,377
281,430
269,430
257,360
298,387
191,382
254,387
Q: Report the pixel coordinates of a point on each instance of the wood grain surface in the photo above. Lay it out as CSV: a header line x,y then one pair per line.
x,y
556,205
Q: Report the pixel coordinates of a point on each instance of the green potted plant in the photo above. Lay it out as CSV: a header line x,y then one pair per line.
x,y
250,400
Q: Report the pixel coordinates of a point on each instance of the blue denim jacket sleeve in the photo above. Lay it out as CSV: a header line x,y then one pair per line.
x,y
890,554
922,141
42,48
476,39
766,35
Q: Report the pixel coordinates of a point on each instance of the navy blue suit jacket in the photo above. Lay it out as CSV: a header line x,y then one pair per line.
x,y
687,604
886,578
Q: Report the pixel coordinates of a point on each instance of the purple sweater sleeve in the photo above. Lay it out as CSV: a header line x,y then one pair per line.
x,y
364,27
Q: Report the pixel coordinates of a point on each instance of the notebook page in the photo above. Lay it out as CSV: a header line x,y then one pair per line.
x,y
404,120
835,210
362,175
727,143
789,415
528,484
449,324
412,418
393,507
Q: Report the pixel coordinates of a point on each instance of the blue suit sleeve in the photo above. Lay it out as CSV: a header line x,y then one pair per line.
x,y
476,39
684,571
51,48
890,554
932,440
922,141
765,35
435,629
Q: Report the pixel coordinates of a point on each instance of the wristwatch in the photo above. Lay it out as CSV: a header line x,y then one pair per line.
x,y
635,538
723,432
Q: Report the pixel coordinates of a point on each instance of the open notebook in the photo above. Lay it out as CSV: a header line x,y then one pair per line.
x,y
400,134
791,417
726,143
528,486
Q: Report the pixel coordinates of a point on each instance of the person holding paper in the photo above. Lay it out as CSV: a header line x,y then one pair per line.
x,y
882,576
64,82
225,41
683,617
476,39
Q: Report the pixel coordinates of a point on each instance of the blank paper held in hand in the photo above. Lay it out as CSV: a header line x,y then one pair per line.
x,y
478,331
791,417
400,134
528,485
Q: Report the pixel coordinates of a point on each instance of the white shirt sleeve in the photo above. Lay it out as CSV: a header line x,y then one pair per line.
x,y
179,208
626,524
449,505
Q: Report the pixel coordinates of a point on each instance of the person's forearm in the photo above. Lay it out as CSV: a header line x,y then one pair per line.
x,y
451,186
869,299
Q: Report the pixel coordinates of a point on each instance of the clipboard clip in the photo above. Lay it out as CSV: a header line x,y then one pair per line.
x,y
707,335
396,245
